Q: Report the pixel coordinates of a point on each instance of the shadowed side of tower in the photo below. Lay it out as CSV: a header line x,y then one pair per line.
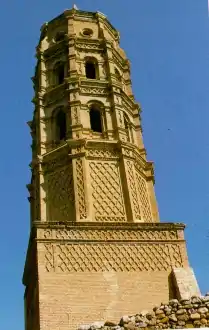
x,y
97,249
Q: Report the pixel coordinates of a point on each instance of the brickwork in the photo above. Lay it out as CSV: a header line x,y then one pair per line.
x,y
87,297
97,272
96,249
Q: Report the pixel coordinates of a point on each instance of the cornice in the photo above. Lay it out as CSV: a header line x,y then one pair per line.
x,y
93,83
101,144
108,225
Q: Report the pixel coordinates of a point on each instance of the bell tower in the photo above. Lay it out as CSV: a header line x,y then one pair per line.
x,y
97,249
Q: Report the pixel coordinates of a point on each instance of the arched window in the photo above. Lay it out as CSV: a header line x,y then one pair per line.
x,y
95,119
61,125
117,75
59,73
91,69
127,127
59,36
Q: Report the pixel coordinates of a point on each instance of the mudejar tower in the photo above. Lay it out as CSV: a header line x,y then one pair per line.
x,y
97,249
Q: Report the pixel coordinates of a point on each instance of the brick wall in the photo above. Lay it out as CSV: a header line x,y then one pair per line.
x,y
77,298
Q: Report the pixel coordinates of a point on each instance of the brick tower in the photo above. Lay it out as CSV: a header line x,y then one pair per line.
x,y
97,249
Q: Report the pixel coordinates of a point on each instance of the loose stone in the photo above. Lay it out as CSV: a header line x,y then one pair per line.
x,y
132,319
152,322
204,321
164,320
142,325
160,316
195,316
149,316
173,302
173,317
84,327
182,323
138,318
185,301
197,323
97,325
205,299
202,310
180,311
183,317
188,306
196,300
110,324
189,326
143,313
129,326
159,311
186,314
125,319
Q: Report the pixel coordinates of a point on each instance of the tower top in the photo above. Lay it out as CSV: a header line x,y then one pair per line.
x,y
80,15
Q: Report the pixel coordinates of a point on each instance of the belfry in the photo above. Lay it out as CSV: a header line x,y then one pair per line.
x,y
97,249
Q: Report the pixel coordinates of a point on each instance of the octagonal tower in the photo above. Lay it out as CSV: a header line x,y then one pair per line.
x,y
97,249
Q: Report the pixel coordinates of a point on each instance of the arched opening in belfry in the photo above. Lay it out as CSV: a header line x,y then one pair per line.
x,y
91,69
127,127
59,73
95,119
61,126
60,36
117,74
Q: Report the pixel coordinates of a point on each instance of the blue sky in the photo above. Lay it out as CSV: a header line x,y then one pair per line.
x,y
167,42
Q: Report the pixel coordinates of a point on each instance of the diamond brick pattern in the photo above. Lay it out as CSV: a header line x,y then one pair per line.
x,y
107,194
80,187
145,205
133,190
105,257
60,194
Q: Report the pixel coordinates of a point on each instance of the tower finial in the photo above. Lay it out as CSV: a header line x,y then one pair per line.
x,y
75,7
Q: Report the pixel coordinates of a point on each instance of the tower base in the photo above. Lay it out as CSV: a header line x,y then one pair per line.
x,y
88,271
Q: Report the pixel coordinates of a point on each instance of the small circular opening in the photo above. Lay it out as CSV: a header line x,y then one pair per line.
x,y
87,32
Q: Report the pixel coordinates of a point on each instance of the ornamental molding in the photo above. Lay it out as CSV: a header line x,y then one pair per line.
x,y
88,45
87,17
110,235
104,153
93,83
92,231
127,152
97,91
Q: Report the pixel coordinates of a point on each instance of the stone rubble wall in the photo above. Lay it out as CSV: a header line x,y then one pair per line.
x,y
190,313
